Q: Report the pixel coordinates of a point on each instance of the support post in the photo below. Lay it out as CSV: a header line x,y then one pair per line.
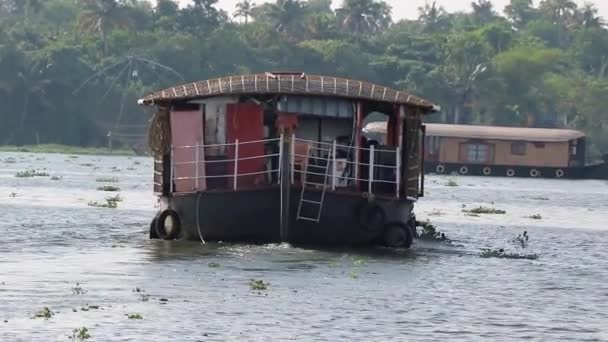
x,y
398,172
171,170
293,157
280,158
371,168
236,164
285,190
358,150
286,124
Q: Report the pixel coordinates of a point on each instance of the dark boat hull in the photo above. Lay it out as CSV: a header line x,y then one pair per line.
x,y
254,217
599,171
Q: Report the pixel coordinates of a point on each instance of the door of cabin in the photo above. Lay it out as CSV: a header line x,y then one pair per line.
x,y
245,122
188,160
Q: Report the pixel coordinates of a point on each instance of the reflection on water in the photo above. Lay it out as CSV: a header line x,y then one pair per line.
x,y
52,241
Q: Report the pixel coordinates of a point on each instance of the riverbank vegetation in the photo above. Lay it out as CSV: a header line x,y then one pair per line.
x,y
64,149
69,80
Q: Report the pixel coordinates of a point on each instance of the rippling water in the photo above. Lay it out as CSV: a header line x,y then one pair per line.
x,y
86,263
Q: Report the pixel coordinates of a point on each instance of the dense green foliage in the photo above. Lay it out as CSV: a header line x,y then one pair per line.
x,y
72,69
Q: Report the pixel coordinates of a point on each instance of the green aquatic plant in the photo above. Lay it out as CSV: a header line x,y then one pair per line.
x,y
360,262
353,275
436,212
45,313
536,217
111,202
502,254
214,265
429,232
451,183
31,173
107,179
258,285
484,210
80,334
108,188
541,198
78,290
135,316
116,198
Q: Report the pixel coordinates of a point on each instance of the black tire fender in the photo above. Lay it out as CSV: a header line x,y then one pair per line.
x,y
398,235
153,233
161,222
372,217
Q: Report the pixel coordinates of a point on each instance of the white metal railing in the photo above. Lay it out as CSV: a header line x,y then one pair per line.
x,y
197,163
320,152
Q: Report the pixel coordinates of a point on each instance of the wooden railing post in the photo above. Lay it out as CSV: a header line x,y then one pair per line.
x,y
196,166
371,168
236,163
333,167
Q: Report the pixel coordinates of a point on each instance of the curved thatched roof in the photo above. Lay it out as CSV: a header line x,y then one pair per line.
x,y
490,132
287,84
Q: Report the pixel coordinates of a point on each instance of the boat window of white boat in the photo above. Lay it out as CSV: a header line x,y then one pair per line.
x,y
518,148
477,153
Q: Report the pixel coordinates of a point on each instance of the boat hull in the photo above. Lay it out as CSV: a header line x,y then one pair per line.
x,y
588,172
254,217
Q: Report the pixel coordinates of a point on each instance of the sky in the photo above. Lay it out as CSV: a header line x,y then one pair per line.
x,y
403,9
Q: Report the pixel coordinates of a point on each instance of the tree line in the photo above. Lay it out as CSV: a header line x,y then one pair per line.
x,y
70,70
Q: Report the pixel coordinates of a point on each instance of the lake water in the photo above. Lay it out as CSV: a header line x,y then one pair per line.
x,y
85,264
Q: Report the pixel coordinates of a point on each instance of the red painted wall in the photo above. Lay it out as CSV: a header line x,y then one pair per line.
x,y
245,122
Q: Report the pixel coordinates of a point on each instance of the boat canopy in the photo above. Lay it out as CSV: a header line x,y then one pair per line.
x,y
286,84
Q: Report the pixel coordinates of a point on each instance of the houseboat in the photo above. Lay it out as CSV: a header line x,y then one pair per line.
x,y
280,157
504,151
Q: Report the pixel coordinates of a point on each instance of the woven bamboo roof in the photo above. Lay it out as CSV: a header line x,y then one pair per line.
x,y
286,84
491,132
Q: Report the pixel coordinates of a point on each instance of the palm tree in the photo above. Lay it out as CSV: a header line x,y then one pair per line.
x,y
432,17
32,85
101,16
483,11
587,17
286,15
244,9
559,11
520,12
321,26
364,16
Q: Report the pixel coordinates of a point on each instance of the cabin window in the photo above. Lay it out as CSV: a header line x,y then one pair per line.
x,y
539,145
518,148
477,153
